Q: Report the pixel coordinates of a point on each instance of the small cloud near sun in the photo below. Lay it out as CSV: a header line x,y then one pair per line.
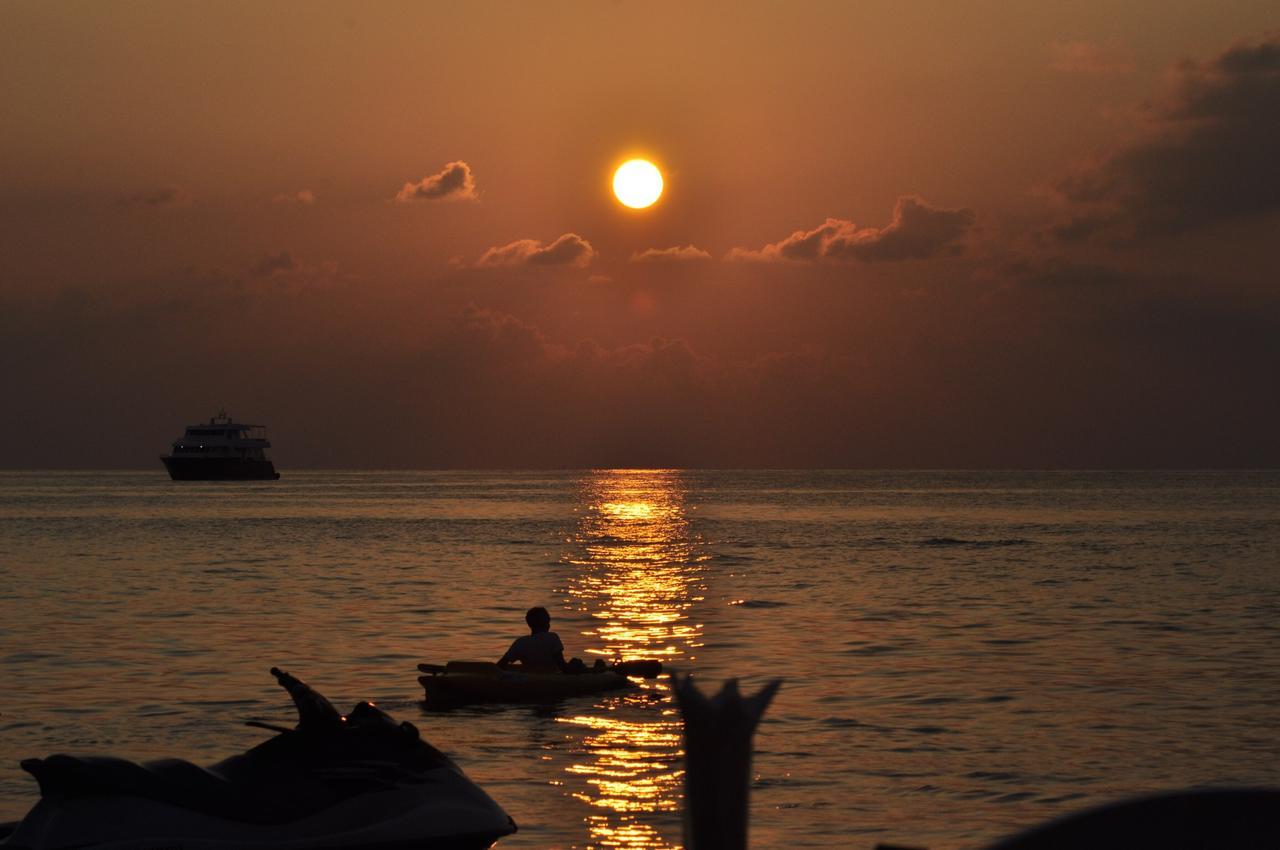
x,y
569,250
918,231
677,254
454,182
302,196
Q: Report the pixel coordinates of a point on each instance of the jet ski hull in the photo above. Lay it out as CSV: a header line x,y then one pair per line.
x,y
353,780
440,814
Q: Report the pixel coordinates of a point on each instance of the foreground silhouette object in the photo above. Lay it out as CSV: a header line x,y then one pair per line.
x,y
1206,819
717,755
1230,819
718,733
362,780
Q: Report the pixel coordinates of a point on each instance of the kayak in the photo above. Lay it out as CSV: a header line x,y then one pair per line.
x,y
461,682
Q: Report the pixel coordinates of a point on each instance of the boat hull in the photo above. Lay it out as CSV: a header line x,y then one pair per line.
x,y
219,469
473,684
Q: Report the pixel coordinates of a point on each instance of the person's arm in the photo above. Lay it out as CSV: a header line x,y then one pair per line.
x,y
561,664
510,657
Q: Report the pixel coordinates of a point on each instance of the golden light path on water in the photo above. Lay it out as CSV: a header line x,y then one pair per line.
x,y
636,571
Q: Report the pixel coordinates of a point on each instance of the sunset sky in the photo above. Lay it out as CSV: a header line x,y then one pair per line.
x,y
892,234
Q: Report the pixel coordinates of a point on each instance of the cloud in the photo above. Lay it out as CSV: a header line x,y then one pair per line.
x,y
801,245
167,196
1205,154
569,250
1030,377
272,264
1078,228
489,336
287,268
302,196
454,183
1085,57
918,231
1060,273
676,254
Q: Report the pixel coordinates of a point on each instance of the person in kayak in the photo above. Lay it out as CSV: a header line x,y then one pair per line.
x,y
541,650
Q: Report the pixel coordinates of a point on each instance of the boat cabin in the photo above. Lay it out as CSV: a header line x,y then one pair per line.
x,y
221,437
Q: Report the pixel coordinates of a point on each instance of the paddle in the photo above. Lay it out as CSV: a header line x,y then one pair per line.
x,y
640,668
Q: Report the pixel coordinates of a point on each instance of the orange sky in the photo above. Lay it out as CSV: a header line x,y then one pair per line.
x,y
929,234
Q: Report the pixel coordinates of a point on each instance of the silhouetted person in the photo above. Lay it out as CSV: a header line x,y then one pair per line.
x,y
541,649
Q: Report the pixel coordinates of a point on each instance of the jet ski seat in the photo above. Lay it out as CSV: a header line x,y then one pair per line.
x,y
170,780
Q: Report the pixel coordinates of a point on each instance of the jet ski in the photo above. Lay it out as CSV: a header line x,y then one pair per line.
x,y
359,780
465,682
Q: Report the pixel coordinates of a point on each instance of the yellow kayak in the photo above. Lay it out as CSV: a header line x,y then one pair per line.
x,y
461,682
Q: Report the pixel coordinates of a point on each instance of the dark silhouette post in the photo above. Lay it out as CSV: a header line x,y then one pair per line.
x,y
717,756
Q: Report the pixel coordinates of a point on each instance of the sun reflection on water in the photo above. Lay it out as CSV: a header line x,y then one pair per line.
x,y
636,571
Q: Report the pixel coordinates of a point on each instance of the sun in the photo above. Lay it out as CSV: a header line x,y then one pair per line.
x,y
637,183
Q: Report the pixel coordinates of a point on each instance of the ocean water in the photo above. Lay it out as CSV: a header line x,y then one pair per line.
x,y
964,654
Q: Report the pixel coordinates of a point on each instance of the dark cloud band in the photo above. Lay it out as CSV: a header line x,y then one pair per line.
x,y
1206,154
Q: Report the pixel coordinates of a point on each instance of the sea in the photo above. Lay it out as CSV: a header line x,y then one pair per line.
x,y
962,654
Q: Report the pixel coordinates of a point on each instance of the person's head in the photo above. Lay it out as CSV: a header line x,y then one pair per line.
x,y
538,619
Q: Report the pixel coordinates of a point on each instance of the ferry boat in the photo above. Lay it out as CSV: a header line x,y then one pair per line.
x,y
221,450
